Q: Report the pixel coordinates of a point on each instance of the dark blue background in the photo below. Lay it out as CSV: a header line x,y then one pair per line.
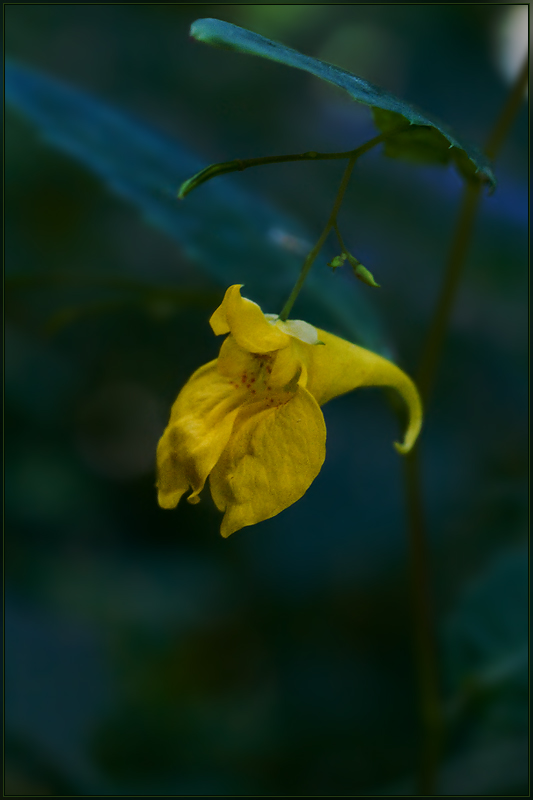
x,y
144,654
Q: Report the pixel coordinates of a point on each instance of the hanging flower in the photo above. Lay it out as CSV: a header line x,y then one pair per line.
x,y
251,419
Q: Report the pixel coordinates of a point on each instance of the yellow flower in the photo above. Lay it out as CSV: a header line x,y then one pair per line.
x,y
251,419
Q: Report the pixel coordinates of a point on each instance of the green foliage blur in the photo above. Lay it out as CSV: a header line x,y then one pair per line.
x,y
144,654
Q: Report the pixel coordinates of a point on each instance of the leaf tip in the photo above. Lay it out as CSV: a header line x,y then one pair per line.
x,y
212,31
183,190
197,29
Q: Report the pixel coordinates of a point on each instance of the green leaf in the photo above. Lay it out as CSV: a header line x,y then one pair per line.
x,y
234,235
422,145
487,649
485,769
435,141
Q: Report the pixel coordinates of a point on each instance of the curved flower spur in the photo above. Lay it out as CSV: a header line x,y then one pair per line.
x,y
251,419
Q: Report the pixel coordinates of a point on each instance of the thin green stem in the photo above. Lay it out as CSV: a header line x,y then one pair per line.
x,y
460,243
339,238
431,717
430,357
240,164
508,113
285,311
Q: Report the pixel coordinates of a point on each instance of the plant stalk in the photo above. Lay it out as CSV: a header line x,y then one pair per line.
x,y
308,263
431,717
240,164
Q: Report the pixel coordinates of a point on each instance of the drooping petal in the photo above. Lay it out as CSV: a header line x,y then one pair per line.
x,y
249,326
200,425
272,458
340,366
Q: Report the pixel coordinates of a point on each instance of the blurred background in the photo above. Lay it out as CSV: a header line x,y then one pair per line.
x,y
144,653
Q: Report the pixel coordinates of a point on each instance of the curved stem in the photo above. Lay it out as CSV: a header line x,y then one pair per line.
x,y
463,233
285,311
240,164
339,238
508,112
432,726
439,322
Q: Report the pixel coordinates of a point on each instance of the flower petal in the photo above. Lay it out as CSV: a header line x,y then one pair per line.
x,y
233,361
272,458
340,366
200,425
299,329
247,323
